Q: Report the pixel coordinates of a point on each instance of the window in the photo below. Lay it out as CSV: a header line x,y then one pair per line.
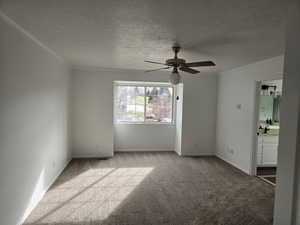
x,y
143,102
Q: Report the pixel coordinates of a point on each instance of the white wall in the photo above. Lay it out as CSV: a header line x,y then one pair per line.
x,y
92,115
287,198
33,121
93,131
179,111
199,114
144,137
235,126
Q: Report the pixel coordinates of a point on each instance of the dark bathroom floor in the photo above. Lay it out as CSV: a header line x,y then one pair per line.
x,y
268,174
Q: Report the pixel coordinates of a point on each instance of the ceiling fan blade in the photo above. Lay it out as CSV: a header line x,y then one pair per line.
x,y
189,70
154,62
201,63
164,68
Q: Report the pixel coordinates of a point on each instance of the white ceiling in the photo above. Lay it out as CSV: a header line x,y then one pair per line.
x,y
124,33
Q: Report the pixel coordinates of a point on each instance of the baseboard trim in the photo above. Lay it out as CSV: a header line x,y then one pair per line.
x,y
91,156
144,150
34,205
178,153
232,164
196,154
58,174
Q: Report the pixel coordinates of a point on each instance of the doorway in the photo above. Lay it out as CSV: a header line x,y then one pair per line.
x,y
268,127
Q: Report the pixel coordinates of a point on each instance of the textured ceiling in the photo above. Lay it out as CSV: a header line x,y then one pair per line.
x,y
124,33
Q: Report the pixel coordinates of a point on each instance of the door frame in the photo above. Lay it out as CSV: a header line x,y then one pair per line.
x,y
255,125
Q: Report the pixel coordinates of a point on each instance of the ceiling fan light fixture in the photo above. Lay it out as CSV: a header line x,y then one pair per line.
x,y
175,78
180,64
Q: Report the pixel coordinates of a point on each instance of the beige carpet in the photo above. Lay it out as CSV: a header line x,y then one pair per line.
x,y
154,189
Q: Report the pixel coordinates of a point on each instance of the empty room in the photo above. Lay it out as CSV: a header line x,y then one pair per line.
x,y
134,112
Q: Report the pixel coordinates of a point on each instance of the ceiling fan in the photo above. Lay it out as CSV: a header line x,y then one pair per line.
x,y
179,64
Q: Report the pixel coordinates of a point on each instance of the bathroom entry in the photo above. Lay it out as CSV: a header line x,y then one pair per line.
x,y
268,130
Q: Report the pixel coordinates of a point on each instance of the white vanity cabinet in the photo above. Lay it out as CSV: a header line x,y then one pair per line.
x,y
267,150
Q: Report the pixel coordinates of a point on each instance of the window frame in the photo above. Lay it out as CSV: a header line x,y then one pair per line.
x,y
145,85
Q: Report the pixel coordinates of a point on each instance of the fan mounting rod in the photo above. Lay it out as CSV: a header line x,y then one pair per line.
x,y
176,49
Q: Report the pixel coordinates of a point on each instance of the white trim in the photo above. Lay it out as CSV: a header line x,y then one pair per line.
x,y
265,180
144,84
143,123
231,163
144,150
34,205
255,124
196,154
91,156
178,153
29,35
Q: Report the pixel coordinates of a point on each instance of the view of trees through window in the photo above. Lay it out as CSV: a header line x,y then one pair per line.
x,y
144,104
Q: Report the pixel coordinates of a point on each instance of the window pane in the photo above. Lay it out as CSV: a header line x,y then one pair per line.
x,y
159,104
130,104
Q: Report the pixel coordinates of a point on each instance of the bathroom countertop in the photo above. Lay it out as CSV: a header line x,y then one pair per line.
x,y
272,132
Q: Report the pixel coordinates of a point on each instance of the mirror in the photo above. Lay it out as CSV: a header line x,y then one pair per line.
x,y
269,108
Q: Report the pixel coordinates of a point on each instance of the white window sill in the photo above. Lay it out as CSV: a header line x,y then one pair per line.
x,y
144,123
